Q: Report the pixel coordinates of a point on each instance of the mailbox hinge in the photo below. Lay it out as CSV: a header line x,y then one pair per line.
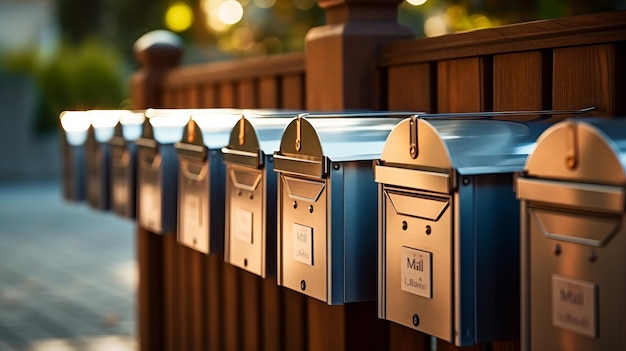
x,y
571,149
413,150
242,131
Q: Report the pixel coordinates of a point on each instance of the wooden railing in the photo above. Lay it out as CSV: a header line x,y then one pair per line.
x,y
190,301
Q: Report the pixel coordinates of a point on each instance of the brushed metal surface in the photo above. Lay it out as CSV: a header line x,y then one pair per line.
x,y
193,204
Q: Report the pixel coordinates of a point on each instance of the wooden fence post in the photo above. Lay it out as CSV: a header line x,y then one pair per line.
x,y
157,52
342,56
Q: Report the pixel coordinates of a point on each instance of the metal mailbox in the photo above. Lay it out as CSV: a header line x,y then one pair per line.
x,y
250,236
327,206
74,125
201,180
98,157
573,238
157,177
449,234
124,163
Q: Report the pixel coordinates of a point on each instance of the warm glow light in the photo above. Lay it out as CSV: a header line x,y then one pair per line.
x,y
179,17
416,2
104,118
435,26
75,121
230,12
242,38
304,4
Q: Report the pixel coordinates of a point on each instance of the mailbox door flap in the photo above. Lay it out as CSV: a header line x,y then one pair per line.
x,y
193,219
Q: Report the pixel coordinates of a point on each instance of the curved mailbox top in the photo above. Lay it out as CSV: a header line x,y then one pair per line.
x,y
585,150
207,131
128,128
253,138
468,146
308,142
75,125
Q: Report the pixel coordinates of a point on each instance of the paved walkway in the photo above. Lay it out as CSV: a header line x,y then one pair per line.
x,y
67,273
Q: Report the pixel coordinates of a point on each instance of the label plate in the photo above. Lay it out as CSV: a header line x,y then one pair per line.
x,y
303,244
574,305
416,272
242,225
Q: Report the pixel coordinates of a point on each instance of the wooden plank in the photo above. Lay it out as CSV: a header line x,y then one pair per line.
x,y
198,297
208,96
295,315
349,327
292,91
402,338
585,76
171,281
216,72
519,82
247,94
411,88
530,36
215,302
226,95
271,318
460,85
150,302
232,314
250,302
192,95
269,92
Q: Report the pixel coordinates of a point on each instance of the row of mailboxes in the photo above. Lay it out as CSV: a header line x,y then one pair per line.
x,y
439,214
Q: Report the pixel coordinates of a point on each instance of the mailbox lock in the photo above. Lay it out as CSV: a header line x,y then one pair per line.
x,y
302,285
593,256
310,208
557,249
238,192
295,205
416,320
336,166
428,230
466,181
251,196
245,262
405,225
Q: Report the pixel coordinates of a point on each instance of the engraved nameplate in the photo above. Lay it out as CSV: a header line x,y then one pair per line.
x,y
574,305
416,272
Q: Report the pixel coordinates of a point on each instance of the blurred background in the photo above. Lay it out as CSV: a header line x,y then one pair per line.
x,y
68,274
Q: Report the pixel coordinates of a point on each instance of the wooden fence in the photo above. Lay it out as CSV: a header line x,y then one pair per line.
x,y
361,59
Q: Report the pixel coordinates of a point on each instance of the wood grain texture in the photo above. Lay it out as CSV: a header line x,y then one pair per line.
x,y
272,319
227,95
231,319
198,297
460,85
293,91
585,76
411,88
171,292
208,96
214,302
530,36
247,90
150,292
269,92
250,304
402,338
295,316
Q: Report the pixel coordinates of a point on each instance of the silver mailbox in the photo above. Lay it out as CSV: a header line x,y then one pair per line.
x,y
327,206
573,243
250,236
157,176
98,157
124,163
74,125
202,180
449,234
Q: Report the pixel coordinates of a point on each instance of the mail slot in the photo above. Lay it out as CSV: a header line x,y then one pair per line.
x,y
449,233
327,206
74,125
158,169
250,236
124,163
201,179
573,244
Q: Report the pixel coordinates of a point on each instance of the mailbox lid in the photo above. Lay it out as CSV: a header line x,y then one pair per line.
x,y
253,138
308,142
584,150
467,146
75,125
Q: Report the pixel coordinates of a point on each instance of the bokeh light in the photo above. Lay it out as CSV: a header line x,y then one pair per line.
x,y
179,17
264,4
230,12
435,26
417,2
